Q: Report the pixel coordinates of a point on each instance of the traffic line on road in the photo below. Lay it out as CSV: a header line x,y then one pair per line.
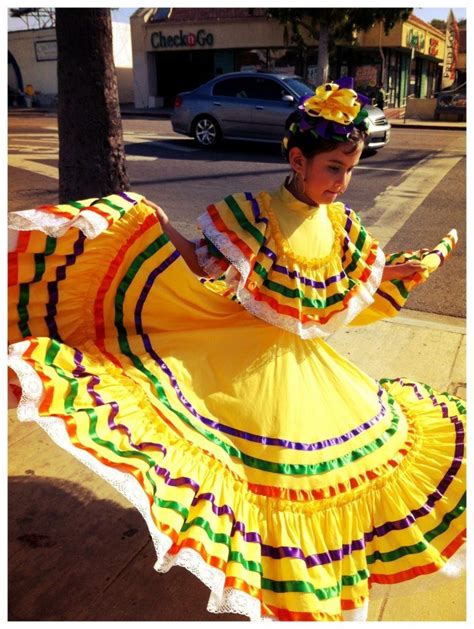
x,y
33,165
140,158
171,147
382,169
163,141
394,206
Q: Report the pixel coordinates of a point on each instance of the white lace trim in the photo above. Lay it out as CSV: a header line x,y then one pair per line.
x,y
221,600
207,262
90,223
264,311
356,615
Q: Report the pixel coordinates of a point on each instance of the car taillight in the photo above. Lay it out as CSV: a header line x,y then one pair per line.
x,y
178,101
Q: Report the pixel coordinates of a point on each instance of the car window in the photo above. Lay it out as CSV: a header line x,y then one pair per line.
x,y
300,86
250,87
237,87
267,89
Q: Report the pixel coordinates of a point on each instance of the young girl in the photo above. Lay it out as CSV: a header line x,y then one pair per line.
x,y
196,379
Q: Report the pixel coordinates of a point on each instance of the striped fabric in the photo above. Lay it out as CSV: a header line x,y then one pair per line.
x,y
282,476
294,294
391,296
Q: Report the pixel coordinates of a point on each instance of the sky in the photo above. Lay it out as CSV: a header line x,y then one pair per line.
x,y
123,15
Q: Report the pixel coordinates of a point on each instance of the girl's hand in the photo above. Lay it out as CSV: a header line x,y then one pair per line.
x,y
160,213
400,271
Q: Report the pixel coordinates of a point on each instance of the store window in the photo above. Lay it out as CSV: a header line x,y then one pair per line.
x,y
249,60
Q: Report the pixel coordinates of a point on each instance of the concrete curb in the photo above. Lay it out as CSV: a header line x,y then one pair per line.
x,y
164,114
428,124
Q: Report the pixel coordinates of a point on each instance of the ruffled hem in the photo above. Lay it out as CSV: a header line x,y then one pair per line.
x,y
185,490
244,599
223,599
89,219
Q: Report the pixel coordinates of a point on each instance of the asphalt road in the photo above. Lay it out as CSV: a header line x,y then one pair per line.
x,y
409,194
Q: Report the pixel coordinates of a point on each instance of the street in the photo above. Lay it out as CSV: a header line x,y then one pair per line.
x,y
404,192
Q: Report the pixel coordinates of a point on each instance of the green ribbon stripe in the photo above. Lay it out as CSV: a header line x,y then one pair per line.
x,y
250,461
253,231
401,288
22,309
393,256
107,202
222,538
24,288
460,407
308,588
93,418
357,254
243,221
292,293
429,536
213,250
362,237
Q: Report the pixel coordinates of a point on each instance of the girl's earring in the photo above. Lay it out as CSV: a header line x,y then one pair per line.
x,y
301,190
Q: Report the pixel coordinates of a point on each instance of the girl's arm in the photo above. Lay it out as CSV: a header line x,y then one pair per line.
x,y
186,248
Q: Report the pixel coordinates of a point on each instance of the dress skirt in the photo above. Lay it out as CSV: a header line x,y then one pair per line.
x,y
285,478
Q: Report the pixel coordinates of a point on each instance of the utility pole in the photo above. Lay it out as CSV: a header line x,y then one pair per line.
x,y
412,56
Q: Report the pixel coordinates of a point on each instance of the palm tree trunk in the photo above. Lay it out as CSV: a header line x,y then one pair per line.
x,y
91,152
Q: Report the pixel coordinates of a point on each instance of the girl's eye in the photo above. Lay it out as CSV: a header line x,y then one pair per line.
x,y
334,169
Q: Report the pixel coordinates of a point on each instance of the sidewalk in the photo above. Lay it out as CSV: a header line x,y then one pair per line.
x,y
397,119
79,551
395,116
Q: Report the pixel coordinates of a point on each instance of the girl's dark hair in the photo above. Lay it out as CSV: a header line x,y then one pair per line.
x,y
311,144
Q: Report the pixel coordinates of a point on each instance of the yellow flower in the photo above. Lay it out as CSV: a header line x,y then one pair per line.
x,y
332,103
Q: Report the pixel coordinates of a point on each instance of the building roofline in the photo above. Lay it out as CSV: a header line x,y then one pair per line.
x,y
414,19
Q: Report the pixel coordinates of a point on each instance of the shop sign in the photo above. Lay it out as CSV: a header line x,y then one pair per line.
x,y
416,39
434,46
46,50
451,52
365,75
201,38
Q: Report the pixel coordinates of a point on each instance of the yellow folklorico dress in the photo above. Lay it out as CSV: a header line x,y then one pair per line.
x,y
285,478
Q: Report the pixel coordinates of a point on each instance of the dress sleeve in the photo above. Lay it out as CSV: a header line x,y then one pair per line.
x,y
210,259
391,295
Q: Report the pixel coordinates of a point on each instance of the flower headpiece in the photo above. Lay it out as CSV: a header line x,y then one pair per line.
x,y
331,113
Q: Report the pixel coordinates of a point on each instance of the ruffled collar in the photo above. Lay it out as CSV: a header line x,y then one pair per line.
x,y
295,205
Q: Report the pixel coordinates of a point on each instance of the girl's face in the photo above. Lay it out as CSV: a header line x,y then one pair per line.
x,y
327,174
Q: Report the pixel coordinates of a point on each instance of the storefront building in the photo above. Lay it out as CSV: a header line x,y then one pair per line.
x,y
32,65
407,61
175,50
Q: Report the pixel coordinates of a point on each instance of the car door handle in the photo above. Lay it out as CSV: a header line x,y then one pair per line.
x,y
259,107
215,103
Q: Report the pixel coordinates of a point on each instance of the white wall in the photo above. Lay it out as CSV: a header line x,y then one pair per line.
x,y
43,74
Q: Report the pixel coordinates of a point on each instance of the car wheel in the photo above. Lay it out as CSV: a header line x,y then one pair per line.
x,y
206,132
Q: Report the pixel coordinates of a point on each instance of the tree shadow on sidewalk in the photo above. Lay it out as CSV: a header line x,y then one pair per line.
x,y
73,556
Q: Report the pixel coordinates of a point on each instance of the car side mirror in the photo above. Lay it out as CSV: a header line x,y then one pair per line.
x,y
288,98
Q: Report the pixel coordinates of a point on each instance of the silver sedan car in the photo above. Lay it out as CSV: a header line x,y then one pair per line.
x,y
252,106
